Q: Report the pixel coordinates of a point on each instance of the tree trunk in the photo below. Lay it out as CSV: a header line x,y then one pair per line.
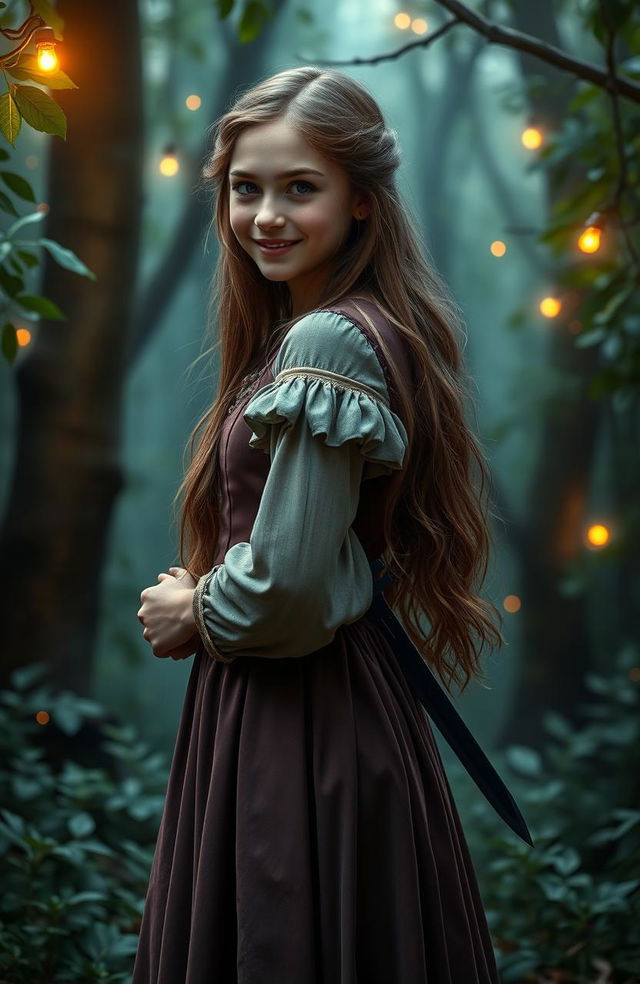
x,y
67,465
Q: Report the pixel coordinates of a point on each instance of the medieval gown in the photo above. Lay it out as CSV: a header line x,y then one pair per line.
x,y
309,834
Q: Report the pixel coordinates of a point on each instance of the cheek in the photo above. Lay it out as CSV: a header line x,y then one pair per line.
x,y
322,222
239,221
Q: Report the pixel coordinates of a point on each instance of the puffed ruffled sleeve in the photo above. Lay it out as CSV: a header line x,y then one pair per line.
x,y
326,424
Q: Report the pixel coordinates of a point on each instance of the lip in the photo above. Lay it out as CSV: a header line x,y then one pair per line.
x,y
268,247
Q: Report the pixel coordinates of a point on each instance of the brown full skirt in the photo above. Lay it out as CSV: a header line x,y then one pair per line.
x,y
309,834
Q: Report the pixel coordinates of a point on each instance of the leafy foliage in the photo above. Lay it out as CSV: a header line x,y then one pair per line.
x,y
81,797
36,107
592,163
567,909
76,838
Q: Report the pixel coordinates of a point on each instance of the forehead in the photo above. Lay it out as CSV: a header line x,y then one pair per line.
x,y
270,148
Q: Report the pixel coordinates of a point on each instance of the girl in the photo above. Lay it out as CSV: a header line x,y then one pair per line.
x,y
309,835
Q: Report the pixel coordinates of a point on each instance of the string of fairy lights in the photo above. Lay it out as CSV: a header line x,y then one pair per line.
x,y
35,32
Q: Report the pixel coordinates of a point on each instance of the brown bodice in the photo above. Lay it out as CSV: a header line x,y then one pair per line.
x,y
244,469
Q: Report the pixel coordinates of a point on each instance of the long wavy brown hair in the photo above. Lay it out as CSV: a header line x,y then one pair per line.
x,y
436,527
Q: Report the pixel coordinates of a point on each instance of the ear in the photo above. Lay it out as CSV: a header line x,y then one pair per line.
x,y
361,206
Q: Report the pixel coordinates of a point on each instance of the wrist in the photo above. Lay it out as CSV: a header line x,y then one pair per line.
x,y
187,618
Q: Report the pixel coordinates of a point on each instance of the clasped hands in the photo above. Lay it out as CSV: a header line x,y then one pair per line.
x,y
167,615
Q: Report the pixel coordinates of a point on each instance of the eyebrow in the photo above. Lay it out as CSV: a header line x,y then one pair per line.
x,y
285,174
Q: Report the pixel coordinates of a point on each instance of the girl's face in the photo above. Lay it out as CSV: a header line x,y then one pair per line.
x,y
290,208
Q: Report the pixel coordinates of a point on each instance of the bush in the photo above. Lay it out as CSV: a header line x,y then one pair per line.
x,y
568,909
76,838
80,805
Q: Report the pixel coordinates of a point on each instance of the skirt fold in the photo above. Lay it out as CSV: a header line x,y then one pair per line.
x,y
309,834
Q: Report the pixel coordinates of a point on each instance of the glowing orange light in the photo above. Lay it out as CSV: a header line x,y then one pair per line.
x,y
498,248
550,307
589,239
47,58
23,336
598,535
634,674
169,165
512,604
419,26
42,717
402,21
42,207
531,138
193,102
32,161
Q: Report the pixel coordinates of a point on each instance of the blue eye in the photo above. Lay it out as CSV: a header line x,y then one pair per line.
x,y
246,188
241,184
306,185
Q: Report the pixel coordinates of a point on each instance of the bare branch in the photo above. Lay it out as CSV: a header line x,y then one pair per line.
x,y
510,38
390,55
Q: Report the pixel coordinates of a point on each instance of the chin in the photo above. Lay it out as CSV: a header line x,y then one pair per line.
x,y
276,278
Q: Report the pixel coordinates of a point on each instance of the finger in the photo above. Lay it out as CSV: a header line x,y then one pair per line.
x,y
178,572
183,651
161,577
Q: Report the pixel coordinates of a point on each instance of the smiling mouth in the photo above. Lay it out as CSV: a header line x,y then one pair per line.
x,y
276,243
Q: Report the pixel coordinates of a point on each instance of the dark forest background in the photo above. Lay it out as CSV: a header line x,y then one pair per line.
x,y
519,129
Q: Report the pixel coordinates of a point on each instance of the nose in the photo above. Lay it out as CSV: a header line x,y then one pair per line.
x,y
268,217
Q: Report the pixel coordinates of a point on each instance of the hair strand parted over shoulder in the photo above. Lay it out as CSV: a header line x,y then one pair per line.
x,y
436,523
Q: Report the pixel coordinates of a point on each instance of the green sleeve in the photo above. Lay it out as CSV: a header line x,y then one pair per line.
x,y
303,572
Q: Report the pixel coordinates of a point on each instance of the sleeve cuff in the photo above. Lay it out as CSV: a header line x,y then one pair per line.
x,y
198,614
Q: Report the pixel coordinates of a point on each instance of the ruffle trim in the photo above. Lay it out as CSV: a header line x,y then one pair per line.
x,y
337,410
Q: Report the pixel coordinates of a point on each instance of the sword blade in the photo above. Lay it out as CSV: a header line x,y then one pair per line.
x,y
447,720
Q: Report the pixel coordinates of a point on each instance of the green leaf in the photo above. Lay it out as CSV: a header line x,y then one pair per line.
x,y
18,185
81,824
524,760
10,284
604,317
252,21
27,258
55,80
9,342
631,65
583,97
553,887
587,338
42,306
27,68
25,220
40,111
10,120
50,16
66,258
224,8
7,205
25,677
566,862
612,346
618,13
